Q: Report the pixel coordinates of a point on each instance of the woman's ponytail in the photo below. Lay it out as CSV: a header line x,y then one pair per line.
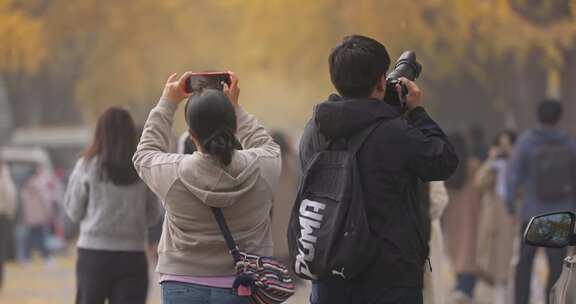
x,y
221,144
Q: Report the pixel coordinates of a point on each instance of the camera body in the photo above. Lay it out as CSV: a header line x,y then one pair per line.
x,y
406,66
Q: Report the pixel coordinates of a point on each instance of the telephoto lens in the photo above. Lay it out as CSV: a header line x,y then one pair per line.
x,y
407,66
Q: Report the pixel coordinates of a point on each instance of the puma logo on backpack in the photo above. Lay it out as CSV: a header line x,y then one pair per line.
x,y
310,219
339,273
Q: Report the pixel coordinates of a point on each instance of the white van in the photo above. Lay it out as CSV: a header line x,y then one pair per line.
x,y
23,160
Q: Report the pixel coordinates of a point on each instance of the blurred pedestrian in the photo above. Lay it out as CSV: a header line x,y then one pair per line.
x,y
477,141
461,219
37,213
496,234
542,164
435,285
7,211
114,209
57,242
285,195
194,261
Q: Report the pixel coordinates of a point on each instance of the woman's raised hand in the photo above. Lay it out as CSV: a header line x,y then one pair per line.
x,y
232,91
175,88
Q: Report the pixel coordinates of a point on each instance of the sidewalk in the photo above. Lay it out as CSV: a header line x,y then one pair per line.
x,y
39,283
54,283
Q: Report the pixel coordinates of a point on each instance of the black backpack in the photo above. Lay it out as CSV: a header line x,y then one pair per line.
x,y
328,233
554,171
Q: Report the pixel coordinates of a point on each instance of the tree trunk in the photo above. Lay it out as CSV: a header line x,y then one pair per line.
x,y
43,99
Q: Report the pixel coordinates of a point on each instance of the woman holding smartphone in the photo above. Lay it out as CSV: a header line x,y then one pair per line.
x,y
236,168
114,209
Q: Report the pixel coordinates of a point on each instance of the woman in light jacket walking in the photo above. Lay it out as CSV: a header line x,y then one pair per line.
x,y
496,231
435,285
236,168
114,209
461,222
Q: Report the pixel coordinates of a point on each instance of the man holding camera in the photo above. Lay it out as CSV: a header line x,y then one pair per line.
x,y
404,150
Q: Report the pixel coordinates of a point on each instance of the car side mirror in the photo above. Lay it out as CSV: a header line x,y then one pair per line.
x,y
555,230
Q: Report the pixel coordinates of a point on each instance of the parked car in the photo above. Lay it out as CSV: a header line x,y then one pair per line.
x,y
556,230
63,144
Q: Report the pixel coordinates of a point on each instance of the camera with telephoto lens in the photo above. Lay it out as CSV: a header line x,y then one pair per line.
x,y
407,67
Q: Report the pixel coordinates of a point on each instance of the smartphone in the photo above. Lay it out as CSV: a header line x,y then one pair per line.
x,y
207,80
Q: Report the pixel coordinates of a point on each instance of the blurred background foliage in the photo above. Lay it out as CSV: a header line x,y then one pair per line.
x,y
485,61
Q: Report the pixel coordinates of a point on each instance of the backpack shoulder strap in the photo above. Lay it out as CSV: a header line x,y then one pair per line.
x,y
357,140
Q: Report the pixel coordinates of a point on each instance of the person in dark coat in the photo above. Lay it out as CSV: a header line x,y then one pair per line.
x,y
406,149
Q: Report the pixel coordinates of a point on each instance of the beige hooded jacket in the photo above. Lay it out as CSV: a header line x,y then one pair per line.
x,y
191,243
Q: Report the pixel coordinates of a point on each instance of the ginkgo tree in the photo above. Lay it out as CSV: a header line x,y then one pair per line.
x,y
480,57
22,45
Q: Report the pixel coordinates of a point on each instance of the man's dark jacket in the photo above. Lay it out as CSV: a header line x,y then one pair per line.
x,y
394,160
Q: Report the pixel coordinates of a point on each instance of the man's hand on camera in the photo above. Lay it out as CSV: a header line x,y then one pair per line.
x,y
232,91
414,97
174,90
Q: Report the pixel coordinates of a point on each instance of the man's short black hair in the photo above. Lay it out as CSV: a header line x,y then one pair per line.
x,y
550,111
357,64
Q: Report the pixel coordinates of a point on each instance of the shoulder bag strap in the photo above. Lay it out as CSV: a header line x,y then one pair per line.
x,y
230,243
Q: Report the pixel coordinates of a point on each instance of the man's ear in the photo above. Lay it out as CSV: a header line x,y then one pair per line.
x,y
381,85
380,89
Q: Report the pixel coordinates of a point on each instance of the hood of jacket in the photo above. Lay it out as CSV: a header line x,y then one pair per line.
x,y
218,186
340,117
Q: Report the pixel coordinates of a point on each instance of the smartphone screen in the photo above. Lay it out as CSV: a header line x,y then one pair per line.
x,y
209,80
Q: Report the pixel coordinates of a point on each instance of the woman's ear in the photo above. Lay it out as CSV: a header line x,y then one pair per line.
x,y
195,141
